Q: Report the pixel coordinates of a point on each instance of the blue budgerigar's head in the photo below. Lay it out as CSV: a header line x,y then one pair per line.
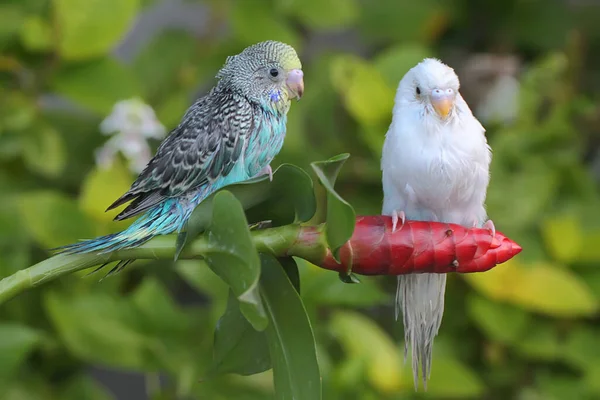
x,y
268,73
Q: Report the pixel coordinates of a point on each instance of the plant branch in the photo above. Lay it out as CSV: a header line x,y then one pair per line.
x,y
374,249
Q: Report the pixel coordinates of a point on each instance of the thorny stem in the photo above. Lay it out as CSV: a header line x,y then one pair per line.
x,y
291,240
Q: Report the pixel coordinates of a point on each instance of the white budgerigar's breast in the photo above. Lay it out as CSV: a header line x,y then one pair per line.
x,y
441,175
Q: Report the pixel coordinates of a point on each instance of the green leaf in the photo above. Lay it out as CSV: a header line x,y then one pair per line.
x,y
501,322
394,62
11,20
156,310
452,379
90,28
44,151
36,34
53,219
99,328
340,214
84,387
412,21
290,337
101,187
254,21
324,288
365,92
324,14
560,386
97,85
563,237
16,342
197,274
160,62
362,339
541,341
238,348
231,255
580,349
291,186
539,287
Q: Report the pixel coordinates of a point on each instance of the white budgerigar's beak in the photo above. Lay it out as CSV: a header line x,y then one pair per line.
x,y
295,83
443,101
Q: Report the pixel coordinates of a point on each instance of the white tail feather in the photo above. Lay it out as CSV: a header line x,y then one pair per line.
x,y
421,298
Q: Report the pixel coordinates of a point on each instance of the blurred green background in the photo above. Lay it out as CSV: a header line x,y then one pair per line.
x,y
530,69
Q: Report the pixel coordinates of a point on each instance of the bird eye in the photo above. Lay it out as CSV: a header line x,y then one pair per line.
x,y
274,72
418,90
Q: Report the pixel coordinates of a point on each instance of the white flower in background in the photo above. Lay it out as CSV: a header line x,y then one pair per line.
x,y
131,123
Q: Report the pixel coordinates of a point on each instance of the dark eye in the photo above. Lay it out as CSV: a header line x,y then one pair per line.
x,y
274,72
418,90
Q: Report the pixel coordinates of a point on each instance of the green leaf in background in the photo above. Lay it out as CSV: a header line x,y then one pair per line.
x,y
53,219
364,90
560,386
581,348
290,337
323,14
198,275
340,214
363,339
44,151
502,322
541,341
234,258
91,28
590,251
84,387
254,21
238,347
97,85
157,312
539,287
412,21
99,328
451,379
101,187
160,62
11,19
36,34
563,237
320,287
396,61
16,342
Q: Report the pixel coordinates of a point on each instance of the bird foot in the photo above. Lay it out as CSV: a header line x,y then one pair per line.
x,y
398,216
491,227
267,171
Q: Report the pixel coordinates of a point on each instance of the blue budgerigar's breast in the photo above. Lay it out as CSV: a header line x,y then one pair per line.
x,y
265,143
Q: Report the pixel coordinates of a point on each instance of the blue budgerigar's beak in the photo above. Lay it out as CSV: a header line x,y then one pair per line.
x,y
295,83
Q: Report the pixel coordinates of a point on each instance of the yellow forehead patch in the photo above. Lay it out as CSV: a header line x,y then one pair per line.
x,y
289,59
273,51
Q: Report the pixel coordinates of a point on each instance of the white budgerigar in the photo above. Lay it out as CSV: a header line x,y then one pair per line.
x,y
435,167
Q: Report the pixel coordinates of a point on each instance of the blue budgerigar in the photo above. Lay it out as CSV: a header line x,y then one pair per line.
x,y
228,136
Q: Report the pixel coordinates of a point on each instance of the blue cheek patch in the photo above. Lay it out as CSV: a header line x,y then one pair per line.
x,y
275,96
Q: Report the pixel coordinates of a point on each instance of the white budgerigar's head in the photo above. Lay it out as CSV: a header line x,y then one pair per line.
x,y
431,88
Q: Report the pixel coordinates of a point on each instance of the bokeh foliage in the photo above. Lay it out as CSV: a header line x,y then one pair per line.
x,y
528,329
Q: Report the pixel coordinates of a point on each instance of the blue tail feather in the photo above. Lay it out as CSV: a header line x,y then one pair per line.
x,y
163,219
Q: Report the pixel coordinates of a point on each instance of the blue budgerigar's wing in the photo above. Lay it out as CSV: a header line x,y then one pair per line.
x,y
205,146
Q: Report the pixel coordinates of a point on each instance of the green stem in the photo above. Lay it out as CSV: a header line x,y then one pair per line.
x,y
291,240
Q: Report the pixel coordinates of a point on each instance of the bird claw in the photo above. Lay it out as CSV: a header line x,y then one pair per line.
x,y
490,226
398,216
267,171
